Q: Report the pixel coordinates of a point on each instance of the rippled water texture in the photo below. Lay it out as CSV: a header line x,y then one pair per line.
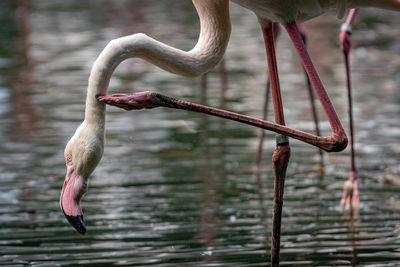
x,y
177,188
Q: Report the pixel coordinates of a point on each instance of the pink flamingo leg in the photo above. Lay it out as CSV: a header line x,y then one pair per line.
x,y
350,197
148,100
336,142
280,158
261,132
337,128
312,104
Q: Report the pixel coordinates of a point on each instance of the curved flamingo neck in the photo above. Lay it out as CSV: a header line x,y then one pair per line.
x,y
209,50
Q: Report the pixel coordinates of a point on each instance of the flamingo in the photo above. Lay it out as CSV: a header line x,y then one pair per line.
x,y
84,150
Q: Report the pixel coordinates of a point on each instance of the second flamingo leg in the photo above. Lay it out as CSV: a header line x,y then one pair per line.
x,y
280,158
312,104
350,198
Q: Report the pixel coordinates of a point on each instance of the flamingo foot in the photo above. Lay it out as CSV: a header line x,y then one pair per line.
x,y
350,198
142,100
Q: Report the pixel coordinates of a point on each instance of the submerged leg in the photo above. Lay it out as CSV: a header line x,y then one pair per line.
x,y
280,158
350,198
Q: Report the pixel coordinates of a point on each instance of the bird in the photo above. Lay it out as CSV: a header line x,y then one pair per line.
x,y
85,148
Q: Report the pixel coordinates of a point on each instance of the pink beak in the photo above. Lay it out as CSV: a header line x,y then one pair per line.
x,y
70,201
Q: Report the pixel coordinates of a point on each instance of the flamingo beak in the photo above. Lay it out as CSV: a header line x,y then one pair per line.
x,y
70,201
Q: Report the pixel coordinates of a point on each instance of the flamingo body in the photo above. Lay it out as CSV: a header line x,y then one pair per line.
x,y
286,11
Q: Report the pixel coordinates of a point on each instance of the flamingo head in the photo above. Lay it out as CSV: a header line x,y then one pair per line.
x,y
82,154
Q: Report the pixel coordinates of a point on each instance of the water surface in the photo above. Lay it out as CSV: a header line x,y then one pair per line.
x,y
177,188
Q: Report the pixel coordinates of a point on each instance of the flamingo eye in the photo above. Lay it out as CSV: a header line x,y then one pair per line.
x,y
68,158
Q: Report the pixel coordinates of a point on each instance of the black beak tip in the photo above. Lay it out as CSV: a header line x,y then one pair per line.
x,y
77,222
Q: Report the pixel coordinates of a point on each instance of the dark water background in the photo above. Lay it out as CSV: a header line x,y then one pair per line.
x,y
177,188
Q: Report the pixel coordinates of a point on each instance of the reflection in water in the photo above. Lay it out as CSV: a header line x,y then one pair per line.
x,y
22,110
223,82
353,221
174,188
213,178
210,195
